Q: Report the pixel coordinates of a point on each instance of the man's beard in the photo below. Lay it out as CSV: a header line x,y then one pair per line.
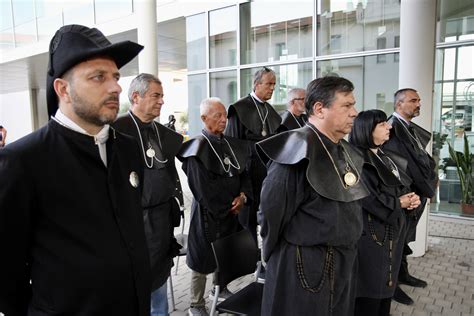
x,y
90,112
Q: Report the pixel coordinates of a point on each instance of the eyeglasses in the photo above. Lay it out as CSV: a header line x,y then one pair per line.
x,y
298,99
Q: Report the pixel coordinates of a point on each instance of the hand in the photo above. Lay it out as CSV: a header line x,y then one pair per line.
x,y
409,201
414,201
237,204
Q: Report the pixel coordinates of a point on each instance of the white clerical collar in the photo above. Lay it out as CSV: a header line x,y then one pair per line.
x,y
100,138
255,97
401,118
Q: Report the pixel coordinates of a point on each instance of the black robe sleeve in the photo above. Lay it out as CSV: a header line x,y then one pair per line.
x,y
379,202
16,201
280,198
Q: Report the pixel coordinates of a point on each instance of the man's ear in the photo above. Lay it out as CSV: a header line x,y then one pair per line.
x,y
135,96
203,119
61,87
318,110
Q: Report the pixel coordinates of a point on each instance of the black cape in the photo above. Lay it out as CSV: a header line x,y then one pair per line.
x,y
289,122
388,221
244,123
160,187
305,208
72,225
213,190
420,165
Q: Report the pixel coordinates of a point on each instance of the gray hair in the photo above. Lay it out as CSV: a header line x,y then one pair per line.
x,y
257,77
399,96
207,103
140,84
293,93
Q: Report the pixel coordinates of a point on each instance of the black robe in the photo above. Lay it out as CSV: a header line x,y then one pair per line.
x,y
72,226
244,123
289,122
420,168
387,219
213,190
305,208
159,205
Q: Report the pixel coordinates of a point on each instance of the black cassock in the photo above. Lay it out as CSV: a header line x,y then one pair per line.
x,y
420,165
160,208
213,190
384,217
289,121
310,224
72,225
245,123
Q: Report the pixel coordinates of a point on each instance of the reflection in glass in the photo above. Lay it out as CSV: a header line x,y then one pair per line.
x,y
7,39
287,78
353,26
371,90
222,37
106,10
223,84
465,62
196,41
25,33
196,93
275,32
456,20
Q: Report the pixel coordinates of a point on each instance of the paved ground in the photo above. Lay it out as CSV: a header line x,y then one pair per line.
x,y
448,267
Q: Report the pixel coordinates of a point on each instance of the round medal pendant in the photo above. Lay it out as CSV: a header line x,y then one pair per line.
x,y
264,133
390,283
150,153
350,179
227,161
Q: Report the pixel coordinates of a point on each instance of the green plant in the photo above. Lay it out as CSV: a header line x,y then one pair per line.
x,y
464,166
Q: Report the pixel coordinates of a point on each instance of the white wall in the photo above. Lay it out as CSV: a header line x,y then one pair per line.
x,y
15,114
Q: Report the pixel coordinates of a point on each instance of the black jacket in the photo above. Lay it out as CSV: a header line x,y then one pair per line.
x,y
72,226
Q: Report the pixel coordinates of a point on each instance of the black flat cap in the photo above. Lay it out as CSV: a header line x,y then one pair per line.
x,y
73,44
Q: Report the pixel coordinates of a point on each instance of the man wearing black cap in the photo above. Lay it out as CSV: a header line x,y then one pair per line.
x,y
71,228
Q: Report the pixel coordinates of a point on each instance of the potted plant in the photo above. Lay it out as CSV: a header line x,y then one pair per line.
x,y
464,166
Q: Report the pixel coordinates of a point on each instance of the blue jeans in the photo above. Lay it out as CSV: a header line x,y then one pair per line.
x,y
159,301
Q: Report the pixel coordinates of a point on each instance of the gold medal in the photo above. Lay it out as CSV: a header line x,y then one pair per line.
x,y
133,178
150,153
227,160
390,283
350,179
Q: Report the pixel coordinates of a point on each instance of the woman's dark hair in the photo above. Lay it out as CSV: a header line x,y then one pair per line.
x,y
364,125
324,90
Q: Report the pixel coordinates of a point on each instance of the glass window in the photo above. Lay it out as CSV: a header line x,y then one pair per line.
x,y
465,62
196,42
223,37
287,78
106,10
23,11
79,12
456,20
6,16
197,91
280,31
353,25
223,84
371,90
48,25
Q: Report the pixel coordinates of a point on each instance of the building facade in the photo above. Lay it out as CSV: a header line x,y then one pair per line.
x,y
213,49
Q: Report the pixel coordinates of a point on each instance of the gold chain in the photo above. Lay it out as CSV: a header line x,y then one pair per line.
x,y
345,186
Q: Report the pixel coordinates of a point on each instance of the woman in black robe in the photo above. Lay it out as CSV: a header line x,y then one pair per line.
x,y
381,245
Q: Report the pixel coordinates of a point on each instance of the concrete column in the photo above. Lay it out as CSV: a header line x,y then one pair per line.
x,y
147,36
417,57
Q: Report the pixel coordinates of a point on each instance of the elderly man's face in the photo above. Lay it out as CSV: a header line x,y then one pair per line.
x,y
149,106
95,91
264,89
215,119
298,103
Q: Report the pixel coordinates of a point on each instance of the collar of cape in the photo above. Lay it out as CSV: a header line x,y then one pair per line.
x,y
399,129
248,115
171,141
384,173
199,147
288,120
293,146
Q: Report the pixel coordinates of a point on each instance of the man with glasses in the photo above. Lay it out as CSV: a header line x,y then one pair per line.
x,y
294,117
